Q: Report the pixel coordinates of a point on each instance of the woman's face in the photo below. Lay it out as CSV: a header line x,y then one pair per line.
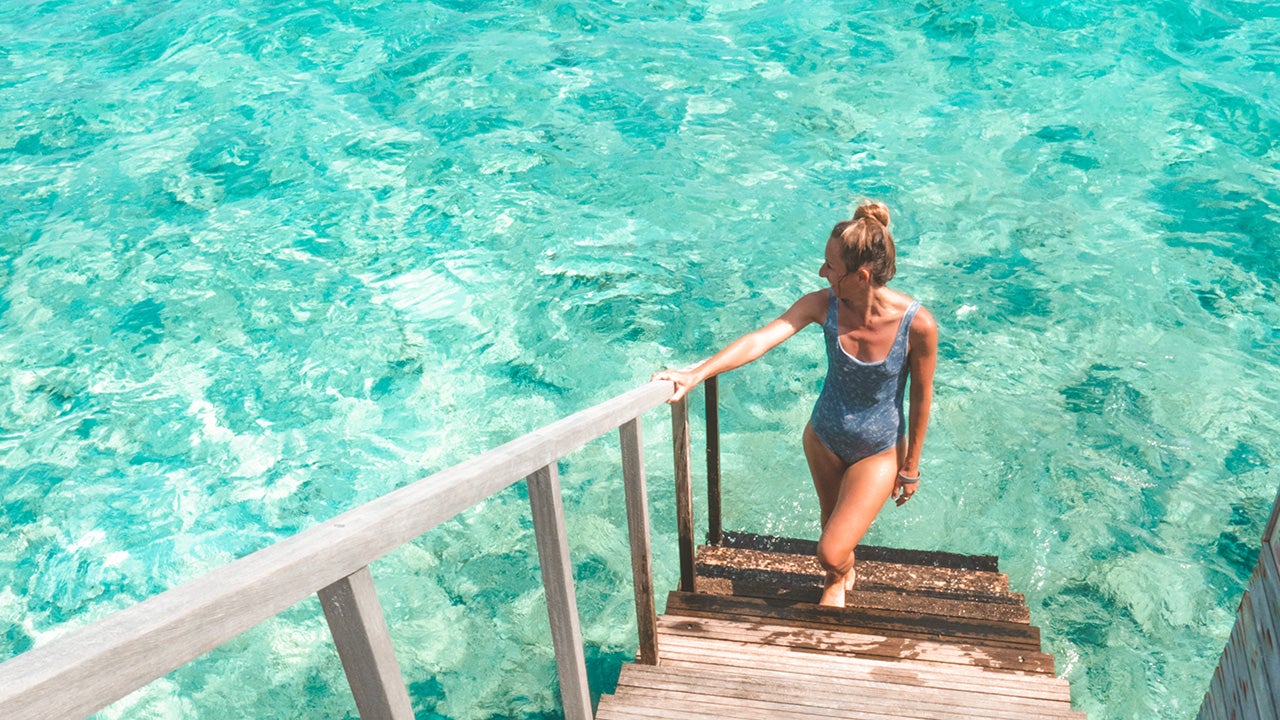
x,y
833,268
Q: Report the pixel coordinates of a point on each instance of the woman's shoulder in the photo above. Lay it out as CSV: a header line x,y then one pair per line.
x,y
922,322
923,326
814,304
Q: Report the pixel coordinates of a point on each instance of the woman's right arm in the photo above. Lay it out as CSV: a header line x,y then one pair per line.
x,y
808,309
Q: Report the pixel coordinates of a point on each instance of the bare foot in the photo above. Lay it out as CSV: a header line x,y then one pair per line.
x,y
833,590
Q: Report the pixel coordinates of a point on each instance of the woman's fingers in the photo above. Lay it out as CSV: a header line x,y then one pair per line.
x,y
901,493
681,382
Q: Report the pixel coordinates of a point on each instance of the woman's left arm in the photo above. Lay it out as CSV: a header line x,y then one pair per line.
x,y
922,360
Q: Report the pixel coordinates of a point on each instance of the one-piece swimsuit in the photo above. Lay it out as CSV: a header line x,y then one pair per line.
x,y
859,411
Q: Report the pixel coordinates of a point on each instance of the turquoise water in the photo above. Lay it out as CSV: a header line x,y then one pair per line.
x,y
265,261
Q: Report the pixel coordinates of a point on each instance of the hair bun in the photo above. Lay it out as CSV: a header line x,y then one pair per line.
x,y
877,211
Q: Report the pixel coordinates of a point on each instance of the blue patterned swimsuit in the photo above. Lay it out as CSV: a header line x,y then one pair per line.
x,y
859,412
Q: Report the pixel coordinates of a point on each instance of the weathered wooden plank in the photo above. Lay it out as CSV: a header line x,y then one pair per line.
x,y
726,649
1216,692
929,558
1239,693
856,643
867,620
1012,609
913,674
64,678
1271,557
715,532
674,702
1269,533
684,491
1265,617
557,580
360,633
835,695
637,499
715,561
677,705
627,709
1252,662
735,701
744,658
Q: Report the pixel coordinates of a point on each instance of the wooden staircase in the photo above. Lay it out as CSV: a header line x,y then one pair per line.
x,y
924,635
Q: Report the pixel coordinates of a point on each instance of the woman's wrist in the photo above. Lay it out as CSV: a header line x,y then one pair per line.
x,y
908,477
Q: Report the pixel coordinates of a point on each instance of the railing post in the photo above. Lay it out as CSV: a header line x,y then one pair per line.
x,y
557,580
684,490
715,534
1269,532
638,532
360,632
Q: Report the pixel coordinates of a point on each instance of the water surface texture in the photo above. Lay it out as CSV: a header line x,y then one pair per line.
x,y
262,262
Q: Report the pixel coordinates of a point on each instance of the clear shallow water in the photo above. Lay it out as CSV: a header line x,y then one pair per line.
x,y
262,263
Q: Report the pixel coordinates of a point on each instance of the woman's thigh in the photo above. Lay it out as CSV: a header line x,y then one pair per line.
x,y
864,488
827,470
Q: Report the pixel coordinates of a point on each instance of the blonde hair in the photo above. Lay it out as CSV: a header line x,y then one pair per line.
x,y
865,241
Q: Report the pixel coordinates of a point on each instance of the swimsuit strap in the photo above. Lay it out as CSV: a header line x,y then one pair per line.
x,y
904,327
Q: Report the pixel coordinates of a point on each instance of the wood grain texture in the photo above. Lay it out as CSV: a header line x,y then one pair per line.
x,y
360,633
715,533
783,693
897,623
1264,601
684,490
758,656
927,558
637,496
65,679
1269,533
1253,664
562,602
907,674
1246,681
856,644
712,560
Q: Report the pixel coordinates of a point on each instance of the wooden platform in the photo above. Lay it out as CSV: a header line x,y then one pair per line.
x,y
925,635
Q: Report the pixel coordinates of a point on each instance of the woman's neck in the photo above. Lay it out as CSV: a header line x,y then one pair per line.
x,y
863,304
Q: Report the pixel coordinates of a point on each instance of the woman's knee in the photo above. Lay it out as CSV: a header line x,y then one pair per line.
x,y
834,555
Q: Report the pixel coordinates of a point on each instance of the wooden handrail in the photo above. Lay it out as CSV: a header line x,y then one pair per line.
x,y
88,668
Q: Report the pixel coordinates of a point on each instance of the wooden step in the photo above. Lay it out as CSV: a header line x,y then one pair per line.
x,y
889,580
852,643
720,561
926,558
772,694
1011,609
733,657
894,623
924,635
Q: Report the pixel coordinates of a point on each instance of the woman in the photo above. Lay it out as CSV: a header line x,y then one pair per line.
x,y
861,450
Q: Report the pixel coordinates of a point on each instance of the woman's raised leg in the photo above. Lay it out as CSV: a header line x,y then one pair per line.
x,y
862,490
827,470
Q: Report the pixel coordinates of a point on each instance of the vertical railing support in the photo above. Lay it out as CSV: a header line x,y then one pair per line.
x,y
360,632
1269,532
638,530
562,603
684,490
715,534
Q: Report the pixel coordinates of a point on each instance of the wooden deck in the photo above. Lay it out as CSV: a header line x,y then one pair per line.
x,y
1246,683
925,635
